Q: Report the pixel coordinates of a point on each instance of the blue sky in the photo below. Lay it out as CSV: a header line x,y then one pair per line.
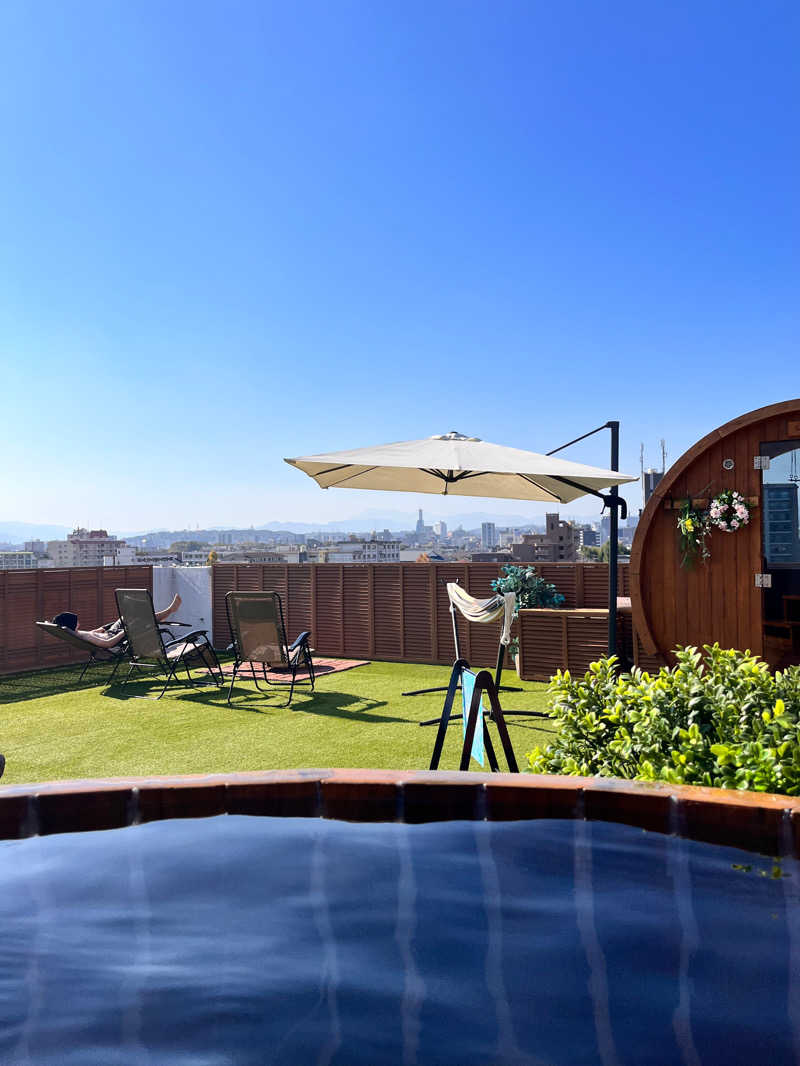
x,y
237,232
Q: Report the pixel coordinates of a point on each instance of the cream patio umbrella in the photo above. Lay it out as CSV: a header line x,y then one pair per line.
x,y
452,464
455,465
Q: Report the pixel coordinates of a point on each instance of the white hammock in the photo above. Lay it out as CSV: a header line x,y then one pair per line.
x,y
484,610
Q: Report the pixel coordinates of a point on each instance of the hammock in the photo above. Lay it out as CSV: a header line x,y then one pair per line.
x,y
484,610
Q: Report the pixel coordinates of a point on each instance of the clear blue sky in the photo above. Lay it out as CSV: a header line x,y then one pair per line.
x,y
234,232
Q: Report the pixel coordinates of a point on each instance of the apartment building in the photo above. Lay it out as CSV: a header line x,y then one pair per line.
x,y
558,543
14,560
84,547
368,551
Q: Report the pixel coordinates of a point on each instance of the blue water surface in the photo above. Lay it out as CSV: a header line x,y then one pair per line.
x,y
293,941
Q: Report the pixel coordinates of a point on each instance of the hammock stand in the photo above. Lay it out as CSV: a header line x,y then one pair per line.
x,y
482,611
476,719
477,611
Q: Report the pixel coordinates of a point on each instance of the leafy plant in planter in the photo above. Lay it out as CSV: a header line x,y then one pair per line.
x,y
531,591
717,718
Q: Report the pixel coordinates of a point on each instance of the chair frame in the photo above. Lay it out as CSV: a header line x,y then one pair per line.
x,y
295,655
197,645
97,655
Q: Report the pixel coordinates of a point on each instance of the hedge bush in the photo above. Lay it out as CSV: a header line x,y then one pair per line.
x,y
719,717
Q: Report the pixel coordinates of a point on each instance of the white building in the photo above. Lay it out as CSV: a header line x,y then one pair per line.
x,y
362,551
125,556
194,558
156,558
488,535
84,547
17,561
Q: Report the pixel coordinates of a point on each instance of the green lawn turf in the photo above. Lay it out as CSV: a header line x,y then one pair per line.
x,y
53,729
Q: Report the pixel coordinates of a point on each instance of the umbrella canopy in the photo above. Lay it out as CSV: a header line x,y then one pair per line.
x,y
455,465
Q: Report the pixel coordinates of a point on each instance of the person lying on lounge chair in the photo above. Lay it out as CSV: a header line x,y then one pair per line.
x,y
107,636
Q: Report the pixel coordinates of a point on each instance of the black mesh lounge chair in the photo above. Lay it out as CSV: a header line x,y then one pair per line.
x,y
117,654
147,649
259,636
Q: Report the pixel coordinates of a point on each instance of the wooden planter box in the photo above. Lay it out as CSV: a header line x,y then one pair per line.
x,y
556,639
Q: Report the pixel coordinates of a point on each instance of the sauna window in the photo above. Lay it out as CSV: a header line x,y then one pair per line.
x,y
780,491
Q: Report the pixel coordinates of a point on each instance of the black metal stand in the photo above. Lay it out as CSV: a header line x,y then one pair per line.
x,y
615,503
483,683
498,674
444,688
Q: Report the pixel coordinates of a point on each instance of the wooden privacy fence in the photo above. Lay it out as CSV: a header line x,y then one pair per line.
x,y
28,596
396,611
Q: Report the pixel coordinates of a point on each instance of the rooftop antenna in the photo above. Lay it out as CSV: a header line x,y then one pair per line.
x,y
641,471
663,456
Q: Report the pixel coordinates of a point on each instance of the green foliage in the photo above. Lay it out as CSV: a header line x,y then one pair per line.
x,y
601,555
718,718
188,545
531,590
693,529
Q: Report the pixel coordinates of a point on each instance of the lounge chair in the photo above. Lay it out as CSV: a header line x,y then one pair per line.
x,y
259,636
117,654
147,649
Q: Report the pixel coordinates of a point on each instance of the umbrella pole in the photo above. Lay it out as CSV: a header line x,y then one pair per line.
x,y
613,502
613,547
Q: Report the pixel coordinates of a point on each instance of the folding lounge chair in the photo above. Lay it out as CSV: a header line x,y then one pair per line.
x,y
117,654
259,636
147,648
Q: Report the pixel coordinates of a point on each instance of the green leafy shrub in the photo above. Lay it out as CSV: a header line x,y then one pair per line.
x,y
531,590
718,718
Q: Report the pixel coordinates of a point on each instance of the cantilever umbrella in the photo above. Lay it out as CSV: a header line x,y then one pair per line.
x,y
455,465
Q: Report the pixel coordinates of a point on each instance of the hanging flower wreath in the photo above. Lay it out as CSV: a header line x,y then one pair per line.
x,y
693,527
729,511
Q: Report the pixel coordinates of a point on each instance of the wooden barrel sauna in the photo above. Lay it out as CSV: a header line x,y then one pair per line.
x,y
747,594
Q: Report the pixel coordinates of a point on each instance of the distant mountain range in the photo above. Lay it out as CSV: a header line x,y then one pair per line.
x,y
19,532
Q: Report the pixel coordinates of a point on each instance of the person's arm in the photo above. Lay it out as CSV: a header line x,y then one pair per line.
x,y
100,639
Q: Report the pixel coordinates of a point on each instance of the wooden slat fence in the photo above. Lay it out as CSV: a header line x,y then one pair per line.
x,y
28,596
396,611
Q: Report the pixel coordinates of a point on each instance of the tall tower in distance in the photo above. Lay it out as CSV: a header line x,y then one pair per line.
x,y
420,523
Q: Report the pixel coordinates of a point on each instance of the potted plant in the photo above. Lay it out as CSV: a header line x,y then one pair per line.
x,y
531,590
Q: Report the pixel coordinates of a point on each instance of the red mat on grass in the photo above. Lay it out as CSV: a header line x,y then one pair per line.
x,y
321,667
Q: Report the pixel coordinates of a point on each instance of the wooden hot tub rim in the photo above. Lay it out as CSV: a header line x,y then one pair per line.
x,y
664,489
768,824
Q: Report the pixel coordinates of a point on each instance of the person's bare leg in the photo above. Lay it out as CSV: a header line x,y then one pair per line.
x,y
173,607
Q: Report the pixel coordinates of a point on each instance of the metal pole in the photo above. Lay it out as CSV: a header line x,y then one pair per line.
x,y
613,545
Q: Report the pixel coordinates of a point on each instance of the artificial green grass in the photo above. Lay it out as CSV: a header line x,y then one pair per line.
x,y
53,729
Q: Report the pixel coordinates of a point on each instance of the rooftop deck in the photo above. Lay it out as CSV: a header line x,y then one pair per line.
x,y
53,728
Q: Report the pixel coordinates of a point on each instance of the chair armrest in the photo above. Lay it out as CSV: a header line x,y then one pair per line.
x,y
304,638
191,636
